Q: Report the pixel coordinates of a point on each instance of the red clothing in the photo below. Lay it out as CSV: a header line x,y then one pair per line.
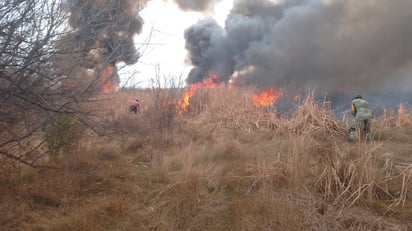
x,y
135,106
135,103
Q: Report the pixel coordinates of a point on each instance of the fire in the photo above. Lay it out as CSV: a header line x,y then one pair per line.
x,y
212,82
266,98
184,101
107,81
402,116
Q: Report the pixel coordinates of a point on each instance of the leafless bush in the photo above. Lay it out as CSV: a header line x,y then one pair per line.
x,y
48,70
166,91
31,94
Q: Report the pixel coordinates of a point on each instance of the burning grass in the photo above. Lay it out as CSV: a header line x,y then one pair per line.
x,y
225,164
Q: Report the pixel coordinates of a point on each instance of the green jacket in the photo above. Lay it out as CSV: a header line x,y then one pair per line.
x,y
360,109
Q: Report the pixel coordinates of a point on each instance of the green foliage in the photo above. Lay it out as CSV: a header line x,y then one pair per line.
x,y
62,134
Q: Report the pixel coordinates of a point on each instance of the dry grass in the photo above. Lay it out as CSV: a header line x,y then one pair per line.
x,y
224,165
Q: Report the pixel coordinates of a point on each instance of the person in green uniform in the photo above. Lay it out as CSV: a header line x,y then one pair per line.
x,y
362,118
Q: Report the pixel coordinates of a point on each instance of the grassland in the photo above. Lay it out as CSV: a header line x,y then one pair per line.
x,y
223,165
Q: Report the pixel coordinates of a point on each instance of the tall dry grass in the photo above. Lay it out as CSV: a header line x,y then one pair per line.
x,y
343,173
223,165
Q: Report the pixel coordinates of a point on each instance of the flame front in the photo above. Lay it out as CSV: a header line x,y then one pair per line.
x,y
402,116
107,82
183,104
184,101
266,98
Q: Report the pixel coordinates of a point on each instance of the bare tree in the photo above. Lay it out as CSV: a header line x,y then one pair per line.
x,y
29,81
51,59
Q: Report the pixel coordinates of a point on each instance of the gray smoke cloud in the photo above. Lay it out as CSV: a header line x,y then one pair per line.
x,y
107,27
103,31
196,5
206,43
336,47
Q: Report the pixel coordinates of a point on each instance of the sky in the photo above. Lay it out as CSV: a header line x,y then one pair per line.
x,y
162,43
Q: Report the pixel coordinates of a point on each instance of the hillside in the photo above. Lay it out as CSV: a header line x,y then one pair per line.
x,y
223,164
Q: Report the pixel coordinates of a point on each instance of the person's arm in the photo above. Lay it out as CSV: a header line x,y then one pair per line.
x,y
353,109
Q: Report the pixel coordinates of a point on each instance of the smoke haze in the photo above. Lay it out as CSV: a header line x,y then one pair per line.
x,y
103,35
338,47
107,27
196,5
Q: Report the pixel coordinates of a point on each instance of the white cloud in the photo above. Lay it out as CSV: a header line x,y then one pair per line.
x,y
162,40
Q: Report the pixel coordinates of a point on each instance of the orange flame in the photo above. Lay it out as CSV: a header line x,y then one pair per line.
x,y
183,104
402,116
107,82
266,98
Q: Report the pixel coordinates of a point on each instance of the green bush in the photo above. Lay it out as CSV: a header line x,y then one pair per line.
x,y
62,135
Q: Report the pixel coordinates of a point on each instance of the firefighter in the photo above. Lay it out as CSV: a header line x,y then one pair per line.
x,y
135,106
362,118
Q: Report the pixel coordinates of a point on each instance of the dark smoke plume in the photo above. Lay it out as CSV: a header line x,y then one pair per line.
x,y
335,47
104,31
196,5
206,43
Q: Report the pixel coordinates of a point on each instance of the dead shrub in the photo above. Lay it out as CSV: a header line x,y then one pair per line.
x,y
128,123
312,116
165,92
364,175
132,145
